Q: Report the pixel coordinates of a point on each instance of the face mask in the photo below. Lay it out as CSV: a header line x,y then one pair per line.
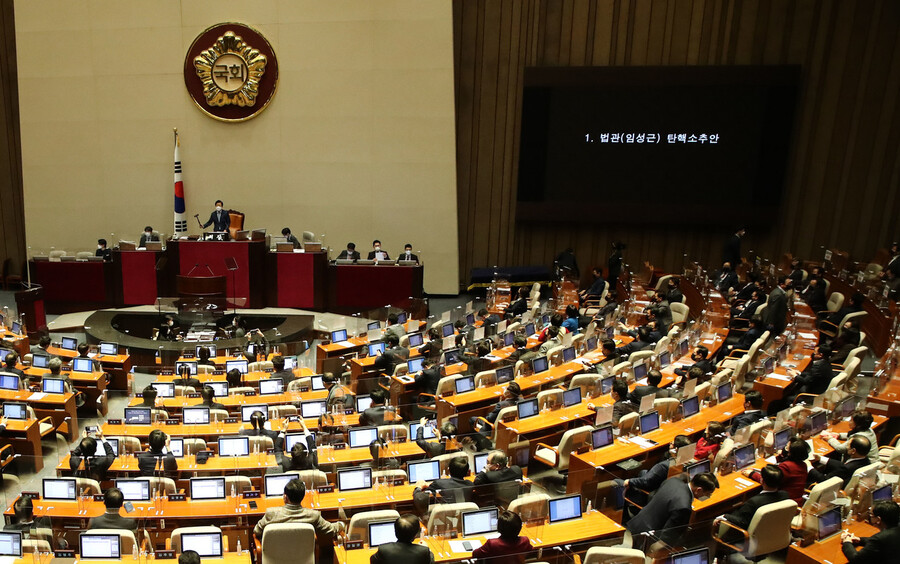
x,y
218,208
100,247
377,248
703,497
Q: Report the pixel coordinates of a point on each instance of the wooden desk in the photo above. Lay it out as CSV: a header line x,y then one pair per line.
x,y
56,406
773,386
247,282
74,285
297,280
828,550
357,287
91,384
138,281
25,438
127,465
119,368
234,402
227,558
19,341
334,350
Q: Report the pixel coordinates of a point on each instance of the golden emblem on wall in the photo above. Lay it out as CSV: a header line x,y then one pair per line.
x,y
231,72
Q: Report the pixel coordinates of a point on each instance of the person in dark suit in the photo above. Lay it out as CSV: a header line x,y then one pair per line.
x,y
303,456
488,320
186,379
654,377
673,292
771,493
792,463
350,253
293,512
742,341
621,404
509,398
519,306
884,545
86,463
505,480
597,286
648,481
857,456
477,362
393,354
23,518
148,236
377,253
699,356
208,394
374,414
219,218
10,362
455,489
509,548
726,279
731,250
775,314
427,380
747,309
203,354
640,343
668,512
290,238
257,429
169,330
158,460
113,500
614,264
566,264
753,404
286,376
406,529
447,432
817,376
408,255
103,251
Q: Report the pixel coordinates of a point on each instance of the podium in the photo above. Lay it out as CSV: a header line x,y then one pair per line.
x,y
209,259
30,304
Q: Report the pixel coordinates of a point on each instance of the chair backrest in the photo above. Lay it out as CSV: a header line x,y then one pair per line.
x,y
205,369
445,385
297,383
159,414
503,414
385,475
740,372
531,506
835,301
128,540
578,342
282,411
858,353
549,397
852,366
587,382
176,534
485,378
128,445
404,340
184,390
820,496
627,423
359,523
218,415
520,367
554,355
87,486
662,345
445,459
702,391
288,542
240,483
32,546
661,283
83,254
770,528
446,516
572,440
312,478
667,407
603,554
853,484
261,443
236,222
193,445
163,485
757,428
856,315
620,368
393,432
680,312
639,355
724,452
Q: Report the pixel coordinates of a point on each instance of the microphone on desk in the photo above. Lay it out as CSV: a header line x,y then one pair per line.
x,y
196,266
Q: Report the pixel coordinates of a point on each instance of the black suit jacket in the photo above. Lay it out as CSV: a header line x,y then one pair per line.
x,y
746,418
150,465
293,239
667,513
843,470
145,239
877,549
414,257
112,521
407,553
348,256
372,416
453,490
745,512
641,391
776,311
726,280
633,346
219,223
816,377
96,466
651,480
508,474
372,255
105,253
286,376
431,449
731,251
427,380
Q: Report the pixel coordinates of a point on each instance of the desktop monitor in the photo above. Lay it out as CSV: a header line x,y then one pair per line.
x,y
416,340
451,356
470,319
82,365
248,410
527,408
316,383
220,389
54,386
381,532
782,438
769,365
565,508
723,392
363,402
529,329
427,433
665,359
376,348
610,332
339,336
884,493
601,437
69,343
690,406
60,488
16,327
509,338
373,325
191,364
402,317
697,468
693,556
176,446
11,544
312,409
845,407
683,347
293,438
17,411
592,343
207,488
426,470
240,365
640,370
415,365
480,522
137,416
819,421
94,546
234,446
744,456
275,483
606,384
350,479
539,364
134,490
464,384
109,349
362,436
212,350
40,360
505,374
271,386
568,354
572,397
164,389
829,522
481,459
207,545
649,421
447,330
195,415
290,362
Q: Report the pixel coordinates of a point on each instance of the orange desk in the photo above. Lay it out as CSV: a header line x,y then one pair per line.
x,y
119,368
235,401
59,407
92,384
828,550
25,438
227,558
128,465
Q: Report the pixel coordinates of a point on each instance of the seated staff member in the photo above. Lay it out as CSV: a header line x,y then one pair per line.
x,y
509,547
404,551
84,351
597,286
497,470
753,404
699,356
654,378
148,397
621,404
408,255
158,460
293,512
377,253
350,253
446,433
880,547
186,379
257,429
519,305
374,414
219,218
102,251
86,463
148,236
290,238
112,519
208,394
455,489
203,357
303,456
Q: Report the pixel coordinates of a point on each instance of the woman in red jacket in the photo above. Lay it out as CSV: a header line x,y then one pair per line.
x,y
509,548
709,443
792,463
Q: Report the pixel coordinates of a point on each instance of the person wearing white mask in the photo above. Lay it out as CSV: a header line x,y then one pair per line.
x,y
103,251
219,219
376,253
148,236
408,254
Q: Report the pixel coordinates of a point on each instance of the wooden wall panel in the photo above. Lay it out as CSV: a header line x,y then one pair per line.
x,y
12,208
844,166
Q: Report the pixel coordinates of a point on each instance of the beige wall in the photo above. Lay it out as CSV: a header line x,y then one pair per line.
x,y
358,142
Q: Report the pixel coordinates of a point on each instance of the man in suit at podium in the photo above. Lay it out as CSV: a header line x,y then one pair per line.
x,y
350,253
219,219
377,253
408,254
148,236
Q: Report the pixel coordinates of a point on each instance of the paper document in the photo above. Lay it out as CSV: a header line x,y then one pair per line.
x,y
37,396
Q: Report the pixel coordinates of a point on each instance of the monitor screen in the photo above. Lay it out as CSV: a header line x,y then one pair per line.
x,y
572,397
164,389
9,382
694,556
428,432
723,392
883,493
539,365
782,438
447,330
207,545
744,456
349,479
402,317
373,325
311,409
109,349
82,365
464,384
450,356
339,336
415,364
54,386
640,370
683,347
192,366
606,384
470,319
769,365
293,438
529,329
240,365
829,522
274,483
271,386
92,545
16,327
649,421
565,508
18,411
207,488
362,436
40,360
363,402
697,468
610,332
416,340
426,470
690,406
234,446
601,437
665,359
505,374
69,343
381,532
59,488
137,415
481,459
509,339
527,408
195,415
568,354
134,490
479,522
248,410
212,350
376,348
592,343
819,421
845,407
290,362
220,389
11,544
176,446
316,383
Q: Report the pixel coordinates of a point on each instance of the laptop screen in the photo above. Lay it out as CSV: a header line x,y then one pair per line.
x,y
293,438
572,397
312,409
470,319
481,459
381,532
271,386
415,364
402,317
665,359
54,386
134,490
539,364
447,330
82,365
99,546
220,389
694,556
137,415
450,356
568,354
529,329
640,370
339,336
819,421
16,327
195,415
316,383
18,411
744,456
59,488
464,384
212,350
275,483
164,389
240,365
207,545
362,436
11,544
505,374
372,325
479,522
428,432
649,421
723,392
248,410
690,406
192,367
416,340
426,470
606,384
69,343
234,446
350,479
701,467
527,408
602,437
509,338
883,493
40,360
376,348
176,446
829,522
683,347
782,438
592,343
565,508
207,488
363,402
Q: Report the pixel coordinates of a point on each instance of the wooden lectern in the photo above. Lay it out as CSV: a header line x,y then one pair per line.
x,y
30,304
